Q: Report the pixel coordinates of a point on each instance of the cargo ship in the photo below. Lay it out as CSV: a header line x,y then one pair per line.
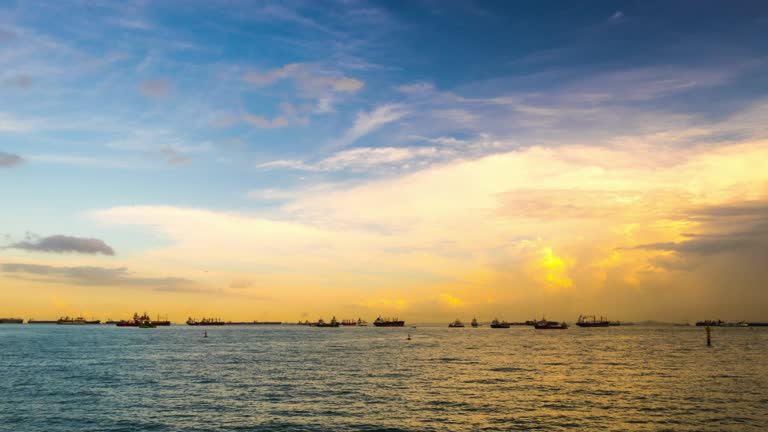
x,y
34,321
349,323
499,324
137,321
388,322
322,323
550,325
11,321
76,321
205,322
592,321
456,324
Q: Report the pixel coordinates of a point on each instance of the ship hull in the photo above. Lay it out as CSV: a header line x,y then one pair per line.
x,y
11,321
550,327
594,324
390,324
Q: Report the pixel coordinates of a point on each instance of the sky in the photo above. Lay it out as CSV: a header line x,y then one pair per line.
x,y
423,159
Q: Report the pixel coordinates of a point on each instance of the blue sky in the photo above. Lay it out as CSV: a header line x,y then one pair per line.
x,y
242,107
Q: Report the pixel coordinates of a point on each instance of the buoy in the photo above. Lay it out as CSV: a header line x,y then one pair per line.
x,y
205,334
709,338
409,336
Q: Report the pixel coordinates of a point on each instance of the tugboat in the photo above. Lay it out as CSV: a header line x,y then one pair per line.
x,y
11,321
388,322
147,324
474,323
456,324
76,321
499,324
592,321
550,325
322,323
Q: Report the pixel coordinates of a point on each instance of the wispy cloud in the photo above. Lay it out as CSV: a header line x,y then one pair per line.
x,y
617,17
366,159
367,122
156,88
93,276
63,244
8,160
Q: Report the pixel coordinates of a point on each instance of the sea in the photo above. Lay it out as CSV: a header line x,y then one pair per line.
x,y
297,378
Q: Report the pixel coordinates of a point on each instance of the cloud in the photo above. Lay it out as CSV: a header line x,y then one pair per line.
x,y
364,159
420,87
7,35
174,157
63,244
265,123
311,82
270,194
8,123
94,276
273,75
22,81
307,76
367,122
348,85
8,160
717,235
156,88
617,17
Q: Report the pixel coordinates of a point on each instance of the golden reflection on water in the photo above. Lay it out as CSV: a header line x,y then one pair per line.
x,y
301,378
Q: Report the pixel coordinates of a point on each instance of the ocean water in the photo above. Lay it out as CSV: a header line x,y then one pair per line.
x,y
295,378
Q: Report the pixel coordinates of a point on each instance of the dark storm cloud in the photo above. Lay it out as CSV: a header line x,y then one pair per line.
x,y
739,228
93,276
8,160
64,244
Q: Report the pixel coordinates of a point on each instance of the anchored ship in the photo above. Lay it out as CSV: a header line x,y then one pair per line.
x,y
388,322
76,321
456,324
11,321
499,324
550,325
205,322
143,320
322,323
592,321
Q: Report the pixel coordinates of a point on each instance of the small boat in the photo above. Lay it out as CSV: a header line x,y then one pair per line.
x,y
550,325
388,322
322,323
456,324
474,323
499,324
362,323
